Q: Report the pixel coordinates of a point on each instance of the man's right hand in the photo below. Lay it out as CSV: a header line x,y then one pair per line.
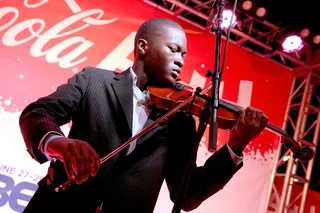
x,y
80,159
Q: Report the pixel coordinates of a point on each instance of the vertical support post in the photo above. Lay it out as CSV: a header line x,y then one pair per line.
x,y
275,166
287,187
310,165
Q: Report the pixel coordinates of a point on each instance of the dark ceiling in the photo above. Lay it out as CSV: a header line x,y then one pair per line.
x,y
300,14
294,13
261,35
289,14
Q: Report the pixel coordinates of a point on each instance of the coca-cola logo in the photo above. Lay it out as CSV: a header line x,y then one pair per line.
x,y
50,43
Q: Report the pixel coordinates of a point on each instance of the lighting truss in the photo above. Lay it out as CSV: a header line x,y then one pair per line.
x,y
251,33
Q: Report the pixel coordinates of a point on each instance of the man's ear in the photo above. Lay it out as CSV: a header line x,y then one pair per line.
x,y
142,46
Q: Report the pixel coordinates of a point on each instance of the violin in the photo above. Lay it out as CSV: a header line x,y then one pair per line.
x,y
185,98
167,98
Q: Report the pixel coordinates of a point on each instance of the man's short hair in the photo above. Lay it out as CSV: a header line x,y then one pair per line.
x,y
154,27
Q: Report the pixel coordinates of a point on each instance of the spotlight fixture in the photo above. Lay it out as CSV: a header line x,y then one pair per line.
x,y
261,12
247,5
305,33
316,39
292,44
226,19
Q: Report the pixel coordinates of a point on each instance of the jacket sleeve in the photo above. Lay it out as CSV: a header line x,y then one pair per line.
x,y
205,180
50,112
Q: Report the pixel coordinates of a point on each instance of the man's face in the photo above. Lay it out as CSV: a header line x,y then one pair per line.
x,y
165,56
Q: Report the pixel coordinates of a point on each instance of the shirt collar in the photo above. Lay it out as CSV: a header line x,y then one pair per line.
x,y
136,91
134,77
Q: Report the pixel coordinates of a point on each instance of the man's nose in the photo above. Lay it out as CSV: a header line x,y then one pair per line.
x,y
179,61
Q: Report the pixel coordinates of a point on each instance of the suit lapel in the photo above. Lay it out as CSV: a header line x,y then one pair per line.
x,y
122,86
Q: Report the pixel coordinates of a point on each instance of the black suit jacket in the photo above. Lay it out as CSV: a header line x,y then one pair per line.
x,y
99,104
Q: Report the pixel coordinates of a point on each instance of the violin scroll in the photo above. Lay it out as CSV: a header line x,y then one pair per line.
x,y
300,152
305,154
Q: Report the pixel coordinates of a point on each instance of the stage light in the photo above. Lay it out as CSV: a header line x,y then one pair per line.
x,y
305,33
226,19
247,5
261,12
316,39
292,44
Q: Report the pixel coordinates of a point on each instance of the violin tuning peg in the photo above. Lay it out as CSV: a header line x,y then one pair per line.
x,y
199,89
209,73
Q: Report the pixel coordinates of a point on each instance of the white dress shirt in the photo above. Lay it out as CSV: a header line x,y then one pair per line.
x,y
140,111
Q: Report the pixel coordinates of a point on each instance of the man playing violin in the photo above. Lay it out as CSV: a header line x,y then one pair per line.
x,y
106,109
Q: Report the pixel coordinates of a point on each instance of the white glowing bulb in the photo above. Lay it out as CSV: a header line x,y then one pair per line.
x,y
292,44
226,19
21,76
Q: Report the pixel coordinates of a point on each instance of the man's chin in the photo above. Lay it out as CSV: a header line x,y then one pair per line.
x,y
166,83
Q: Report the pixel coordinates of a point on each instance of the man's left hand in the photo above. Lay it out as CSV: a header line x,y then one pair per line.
x,y
250,123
